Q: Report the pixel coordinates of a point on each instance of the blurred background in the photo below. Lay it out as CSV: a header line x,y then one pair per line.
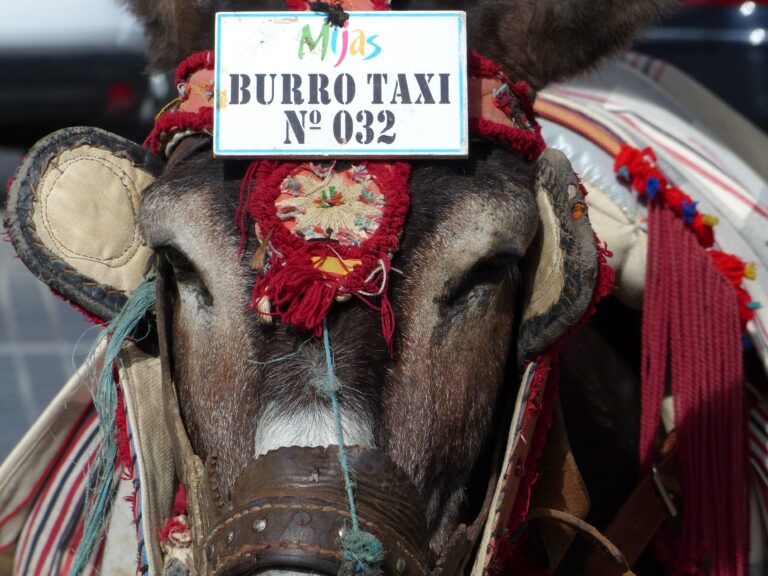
x,y
81,62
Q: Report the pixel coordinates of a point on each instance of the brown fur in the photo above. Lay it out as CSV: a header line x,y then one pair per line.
x,y
540,41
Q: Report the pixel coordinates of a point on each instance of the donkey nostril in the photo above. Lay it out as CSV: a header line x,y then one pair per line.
x,y
302,518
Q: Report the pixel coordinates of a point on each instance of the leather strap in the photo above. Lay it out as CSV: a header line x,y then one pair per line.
x,y
641,517
619,561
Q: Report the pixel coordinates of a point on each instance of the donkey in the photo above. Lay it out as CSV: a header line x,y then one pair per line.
x,y
471,284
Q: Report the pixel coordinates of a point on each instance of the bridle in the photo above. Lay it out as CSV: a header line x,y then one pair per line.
x,y
288,508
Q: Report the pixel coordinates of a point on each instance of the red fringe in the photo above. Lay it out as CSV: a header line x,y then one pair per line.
x,y
692,337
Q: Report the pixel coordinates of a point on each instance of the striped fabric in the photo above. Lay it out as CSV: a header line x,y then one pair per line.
x,y
54,527
758,450
619,101
631,102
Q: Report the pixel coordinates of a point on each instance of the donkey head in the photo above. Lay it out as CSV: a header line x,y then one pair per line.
x,y
493,267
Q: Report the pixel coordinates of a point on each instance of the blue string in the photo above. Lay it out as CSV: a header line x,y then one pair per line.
x,y
359,547
101,482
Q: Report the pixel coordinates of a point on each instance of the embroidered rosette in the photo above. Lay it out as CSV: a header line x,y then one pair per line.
x,y
328,232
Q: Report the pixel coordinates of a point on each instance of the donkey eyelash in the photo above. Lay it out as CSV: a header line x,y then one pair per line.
x,y
488,272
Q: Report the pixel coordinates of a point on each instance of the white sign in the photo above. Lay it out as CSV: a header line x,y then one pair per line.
x,y
386,84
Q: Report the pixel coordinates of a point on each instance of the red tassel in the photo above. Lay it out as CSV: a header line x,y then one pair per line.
x,y
704,231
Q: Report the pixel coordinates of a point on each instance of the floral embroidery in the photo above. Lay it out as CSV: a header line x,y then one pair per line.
x,y
322,204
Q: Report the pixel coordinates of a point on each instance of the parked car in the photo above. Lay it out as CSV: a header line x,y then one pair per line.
x,y
66,63
724,45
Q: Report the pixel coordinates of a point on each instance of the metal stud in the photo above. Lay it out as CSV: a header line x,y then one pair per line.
x,y
230,537
260,524
401,566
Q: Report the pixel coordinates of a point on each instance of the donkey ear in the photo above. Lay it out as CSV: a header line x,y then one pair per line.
x,y
72,212
561,265
543,41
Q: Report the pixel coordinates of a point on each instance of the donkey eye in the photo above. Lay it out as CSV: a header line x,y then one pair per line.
x,y
182,267
185,273
483,277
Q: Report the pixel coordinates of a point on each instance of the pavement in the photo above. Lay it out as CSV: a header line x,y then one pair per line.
x,y
42,339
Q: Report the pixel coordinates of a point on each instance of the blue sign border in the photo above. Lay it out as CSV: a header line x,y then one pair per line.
x,y
325,152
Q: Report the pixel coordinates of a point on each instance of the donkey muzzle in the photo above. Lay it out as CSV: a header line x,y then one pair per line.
x,y
288,510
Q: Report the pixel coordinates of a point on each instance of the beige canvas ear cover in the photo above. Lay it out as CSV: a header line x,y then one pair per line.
x,y
561,265
72,216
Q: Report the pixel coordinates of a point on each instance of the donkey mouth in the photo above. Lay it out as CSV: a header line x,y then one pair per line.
x,y
288,514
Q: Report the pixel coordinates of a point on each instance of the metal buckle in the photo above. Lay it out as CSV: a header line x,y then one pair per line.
x,y
666,497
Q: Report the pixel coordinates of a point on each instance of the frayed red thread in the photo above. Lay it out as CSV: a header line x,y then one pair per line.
x,y
172,525
180,500
89,317
177,522
122,437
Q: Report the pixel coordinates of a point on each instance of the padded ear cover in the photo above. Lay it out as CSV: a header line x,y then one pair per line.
x,y
561,265
72,216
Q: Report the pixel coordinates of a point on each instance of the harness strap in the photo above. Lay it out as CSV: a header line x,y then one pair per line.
x,y
642,515
616,556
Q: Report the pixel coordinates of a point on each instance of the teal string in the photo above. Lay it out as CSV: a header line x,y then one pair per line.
x,y
101,482
359,547
333,387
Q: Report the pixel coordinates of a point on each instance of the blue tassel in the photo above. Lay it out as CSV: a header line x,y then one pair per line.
x,y
101,481
689,211
652,187
746,342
